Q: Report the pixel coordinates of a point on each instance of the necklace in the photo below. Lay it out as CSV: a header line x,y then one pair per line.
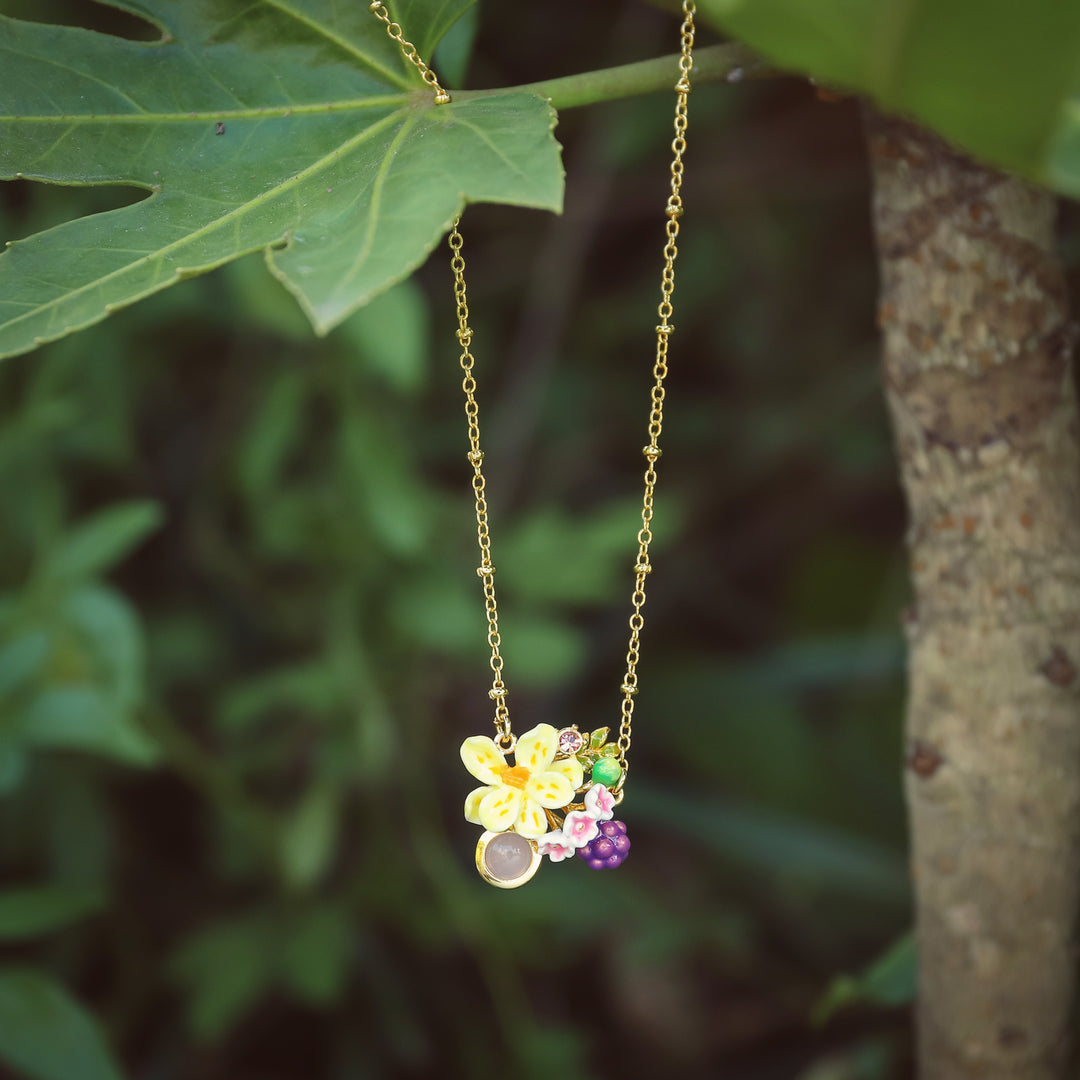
x,y
558,798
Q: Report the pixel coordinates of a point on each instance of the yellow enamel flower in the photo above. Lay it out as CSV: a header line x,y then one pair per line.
x,y
515,796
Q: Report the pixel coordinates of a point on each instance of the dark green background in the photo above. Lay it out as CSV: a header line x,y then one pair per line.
x,y
284,889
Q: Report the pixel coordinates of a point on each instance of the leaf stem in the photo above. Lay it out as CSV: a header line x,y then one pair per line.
x,y
715,63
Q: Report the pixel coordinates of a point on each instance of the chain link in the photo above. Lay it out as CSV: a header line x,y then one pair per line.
x,y
673,210
408,50
486,570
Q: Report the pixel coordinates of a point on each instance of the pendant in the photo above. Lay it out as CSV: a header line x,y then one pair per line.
x,y
542,803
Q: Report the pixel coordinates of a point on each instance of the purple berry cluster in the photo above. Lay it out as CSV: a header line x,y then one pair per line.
x,y
609,849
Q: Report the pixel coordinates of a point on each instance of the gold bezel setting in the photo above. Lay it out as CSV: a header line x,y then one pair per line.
x,y
511,883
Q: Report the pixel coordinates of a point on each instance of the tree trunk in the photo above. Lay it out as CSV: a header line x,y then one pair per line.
x,y
978,381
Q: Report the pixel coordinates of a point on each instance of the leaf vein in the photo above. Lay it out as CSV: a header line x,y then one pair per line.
x,y
376,199
341,42
208,227
486,140
146,117
81,74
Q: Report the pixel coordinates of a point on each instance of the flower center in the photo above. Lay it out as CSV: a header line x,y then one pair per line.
x,y
515,776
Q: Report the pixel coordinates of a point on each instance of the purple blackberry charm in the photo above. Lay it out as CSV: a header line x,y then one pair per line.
x,y
610,847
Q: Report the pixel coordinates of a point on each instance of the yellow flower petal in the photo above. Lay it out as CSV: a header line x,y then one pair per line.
x,y
536,748
482,758
472,804
532,821
499,808
570,768
550,789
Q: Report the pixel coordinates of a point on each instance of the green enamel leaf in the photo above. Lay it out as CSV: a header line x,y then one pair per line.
x,y
587,758
292,127
611,750
1000,79
598,737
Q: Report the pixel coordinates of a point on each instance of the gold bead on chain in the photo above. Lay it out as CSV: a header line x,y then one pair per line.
x,y
544,804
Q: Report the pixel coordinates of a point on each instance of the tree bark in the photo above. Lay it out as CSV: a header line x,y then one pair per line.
x,y
977,375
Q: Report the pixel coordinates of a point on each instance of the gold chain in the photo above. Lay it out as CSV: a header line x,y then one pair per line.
x,y
486,570
673,210
408,50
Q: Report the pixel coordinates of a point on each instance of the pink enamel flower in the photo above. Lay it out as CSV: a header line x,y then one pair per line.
x,y
555,846
600,803
579,827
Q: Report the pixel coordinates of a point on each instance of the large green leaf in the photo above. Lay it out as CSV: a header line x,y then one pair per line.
x,y
46,1035
999,78
292,126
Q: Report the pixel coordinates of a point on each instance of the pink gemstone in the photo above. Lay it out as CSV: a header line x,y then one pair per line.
x,y
570,741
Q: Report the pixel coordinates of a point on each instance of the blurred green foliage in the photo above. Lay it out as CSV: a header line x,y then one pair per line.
x,y
46,1034
999,81
241,636
890,980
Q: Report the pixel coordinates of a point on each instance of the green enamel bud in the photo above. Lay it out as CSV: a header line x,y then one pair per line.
x,y
606,771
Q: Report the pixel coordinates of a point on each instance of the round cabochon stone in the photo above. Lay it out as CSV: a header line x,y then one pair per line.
x,y
509,859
